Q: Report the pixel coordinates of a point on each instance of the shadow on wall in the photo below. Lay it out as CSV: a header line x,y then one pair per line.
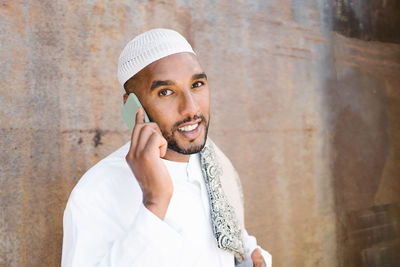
x,y
374,20
364,124
368,234
371,236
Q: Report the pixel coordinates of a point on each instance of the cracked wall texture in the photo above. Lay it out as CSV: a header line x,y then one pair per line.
x,y
305,102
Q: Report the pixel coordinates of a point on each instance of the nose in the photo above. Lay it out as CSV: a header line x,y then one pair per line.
x,y
188,106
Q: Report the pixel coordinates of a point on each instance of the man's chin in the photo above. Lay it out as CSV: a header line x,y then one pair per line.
x,y
187,149
184,146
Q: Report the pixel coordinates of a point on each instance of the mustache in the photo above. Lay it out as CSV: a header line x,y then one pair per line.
x,y
188,119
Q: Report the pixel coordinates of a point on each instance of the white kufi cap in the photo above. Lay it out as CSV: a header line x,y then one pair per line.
x,y
148,47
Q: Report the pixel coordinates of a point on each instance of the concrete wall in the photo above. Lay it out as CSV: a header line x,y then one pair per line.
x,y
305,102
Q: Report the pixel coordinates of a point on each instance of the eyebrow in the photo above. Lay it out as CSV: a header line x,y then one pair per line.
x,y
157,83
199,76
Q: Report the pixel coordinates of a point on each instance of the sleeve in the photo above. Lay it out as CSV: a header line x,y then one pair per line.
x,y
88,240
250,244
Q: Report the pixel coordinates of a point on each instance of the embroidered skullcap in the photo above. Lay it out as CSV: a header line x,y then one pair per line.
x,y
148,47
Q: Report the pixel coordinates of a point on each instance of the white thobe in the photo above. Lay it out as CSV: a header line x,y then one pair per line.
x,y
106,224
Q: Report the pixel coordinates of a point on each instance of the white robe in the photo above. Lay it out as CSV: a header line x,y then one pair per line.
x,y
106,224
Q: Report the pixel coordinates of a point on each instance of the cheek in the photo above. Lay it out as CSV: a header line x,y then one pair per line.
x,y
204,101
163,116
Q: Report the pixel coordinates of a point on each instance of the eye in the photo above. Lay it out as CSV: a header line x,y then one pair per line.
x,y
197,84
165,92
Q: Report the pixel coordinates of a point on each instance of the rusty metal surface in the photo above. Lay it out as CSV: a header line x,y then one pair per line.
x,y
304,103
372,236
362,112
375,20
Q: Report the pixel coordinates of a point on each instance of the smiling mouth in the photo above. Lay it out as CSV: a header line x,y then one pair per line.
x,y
188,128
191,131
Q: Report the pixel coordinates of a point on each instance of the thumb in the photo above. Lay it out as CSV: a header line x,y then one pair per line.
x,y
257,258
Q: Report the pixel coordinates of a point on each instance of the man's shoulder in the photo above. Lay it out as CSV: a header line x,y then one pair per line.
x,y
222,158
230,181
108,173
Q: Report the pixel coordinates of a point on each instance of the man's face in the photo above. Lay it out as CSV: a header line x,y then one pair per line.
x,y
174,92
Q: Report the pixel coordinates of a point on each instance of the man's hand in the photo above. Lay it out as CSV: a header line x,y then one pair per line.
x,y
144,158
257,258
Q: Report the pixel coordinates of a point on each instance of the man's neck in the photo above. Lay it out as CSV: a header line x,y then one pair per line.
x,y
175,156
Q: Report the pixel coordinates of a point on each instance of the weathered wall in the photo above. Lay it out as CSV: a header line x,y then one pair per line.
x,y
363,114
305,103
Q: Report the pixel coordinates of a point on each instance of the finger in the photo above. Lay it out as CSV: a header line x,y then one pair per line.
x,y
136,133
157,140
139,120
154,126
164,144
163,147
139,116
143,138
134,138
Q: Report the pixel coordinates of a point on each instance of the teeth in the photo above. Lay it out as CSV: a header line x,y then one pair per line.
x,y
188,128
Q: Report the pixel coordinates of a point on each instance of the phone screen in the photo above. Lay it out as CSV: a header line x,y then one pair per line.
x,y
129,111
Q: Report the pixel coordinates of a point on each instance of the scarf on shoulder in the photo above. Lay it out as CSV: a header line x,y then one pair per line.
x,y
226,227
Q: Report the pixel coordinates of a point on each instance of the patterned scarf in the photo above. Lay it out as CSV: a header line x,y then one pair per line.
x,y
226,227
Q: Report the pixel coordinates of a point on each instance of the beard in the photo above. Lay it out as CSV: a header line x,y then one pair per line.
x,y
191,149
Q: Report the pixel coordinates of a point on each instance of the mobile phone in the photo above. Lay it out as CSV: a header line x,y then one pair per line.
x,y
129,111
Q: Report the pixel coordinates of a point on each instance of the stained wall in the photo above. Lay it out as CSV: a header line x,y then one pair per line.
x,y
305,102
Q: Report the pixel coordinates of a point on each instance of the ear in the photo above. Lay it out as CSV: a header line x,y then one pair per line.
x,y
125,97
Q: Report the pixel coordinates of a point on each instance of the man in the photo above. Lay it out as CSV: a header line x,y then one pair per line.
x,y
170,197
